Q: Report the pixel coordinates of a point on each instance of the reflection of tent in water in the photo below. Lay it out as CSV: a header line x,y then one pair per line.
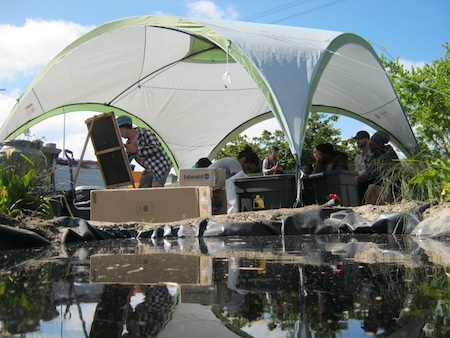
x,y
319,279
173,74
317,290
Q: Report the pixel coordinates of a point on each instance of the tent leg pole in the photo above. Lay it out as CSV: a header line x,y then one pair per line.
x,y
299,183
80,162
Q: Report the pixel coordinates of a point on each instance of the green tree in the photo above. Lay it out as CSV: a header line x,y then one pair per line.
x,y
321,128
233,147
424,94
278,139
261,146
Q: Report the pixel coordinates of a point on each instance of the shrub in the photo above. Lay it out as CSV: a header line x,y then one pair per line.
x,y
419,178
24,192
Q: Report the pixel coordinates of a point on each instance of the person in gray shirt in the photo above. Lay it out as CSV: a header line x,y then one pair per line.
x,y
362,139
247,161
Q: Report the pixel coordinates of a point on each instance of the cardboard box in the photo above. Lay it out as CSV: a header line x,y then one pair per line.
x,y
212,177
154,205
151,269
219,202
198,294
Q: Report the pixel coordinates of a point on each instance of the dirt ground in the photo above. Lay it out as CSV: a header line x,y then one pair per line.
x,y
49,229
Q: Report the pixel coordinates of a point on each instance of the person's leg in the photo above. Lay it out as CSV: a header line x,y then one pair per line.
x,y
146,180
362,188
157,183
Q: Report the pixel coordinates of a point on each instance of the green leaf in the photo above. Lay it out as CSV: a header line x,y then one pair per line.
x,y
427,175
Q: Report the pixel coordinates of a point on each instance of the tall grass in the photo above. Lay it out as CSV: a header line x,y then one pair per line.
x,y
419,178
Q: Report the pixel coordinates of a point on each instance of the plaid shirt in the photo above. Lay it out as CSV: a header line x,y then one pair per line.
x,y
151,155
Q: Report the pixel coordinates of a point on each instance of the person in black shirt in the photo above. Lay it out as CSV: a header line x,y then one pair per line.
x,y
380,159
329,159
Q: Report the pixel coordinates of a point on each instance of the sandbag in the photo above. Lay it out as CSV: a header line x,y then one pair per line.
x,y
315,221
255,228
15,238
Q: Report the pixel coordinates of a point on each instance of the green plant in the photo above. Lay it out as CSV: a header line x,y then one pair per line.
x,y
22,192
437,172
419,178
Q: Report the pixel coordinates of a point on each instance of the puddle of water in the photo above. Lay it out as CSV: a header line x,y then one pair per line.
x,y
294,286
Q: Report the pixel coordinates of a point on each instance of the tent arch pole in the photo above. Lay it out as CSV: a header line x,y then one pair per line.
x,y
343,112
96,108
332,49
239,130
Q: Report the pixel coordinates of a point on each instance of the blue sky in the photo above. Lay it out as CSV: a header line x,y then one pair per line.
x,y
32,32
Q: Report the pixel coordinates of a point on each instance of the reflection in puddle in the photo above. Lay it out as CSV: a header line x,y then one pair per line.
x,y
309,286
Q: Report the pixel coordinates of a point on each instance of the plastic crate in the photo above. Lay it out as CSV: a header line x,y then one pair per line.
x,y
265,192
317,187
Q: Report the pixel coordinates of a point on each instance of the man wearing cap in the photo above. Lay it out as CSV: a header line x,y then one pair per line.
x,y
380,159
362,142
148,152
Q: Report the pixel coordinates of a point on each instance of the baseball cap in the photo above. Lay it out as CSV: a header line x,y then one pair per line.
x,y
124,119
361,134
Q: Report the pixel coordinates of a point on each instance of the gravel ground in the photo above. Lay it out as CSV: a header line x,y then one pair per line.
x,y
49,229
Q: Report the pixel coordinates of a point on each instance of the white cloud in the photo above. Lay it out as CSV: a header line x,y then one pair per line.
x,y
408,64
24,50
7,102
257,129
208,9
72,137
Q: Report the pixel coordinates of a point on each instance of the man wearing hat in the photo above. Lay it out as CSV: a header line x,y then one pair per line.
x,y
362,142
148,152
381,158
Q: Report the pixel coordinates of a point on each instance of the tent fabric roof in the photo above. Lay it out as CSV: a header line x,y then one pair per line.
x,y
168,74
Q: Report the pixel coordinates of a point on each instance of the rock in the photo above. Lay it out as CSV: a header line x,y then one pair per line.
x,y
435,226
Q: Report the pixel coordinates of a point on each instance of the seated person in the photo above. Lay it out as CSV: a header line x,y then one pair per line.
x,y
203,162
270,164
362,139
329,159
380,159
247,161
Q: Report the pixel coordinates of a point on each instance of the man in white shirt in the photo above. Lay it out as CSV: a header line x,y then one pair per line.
x,y
247,161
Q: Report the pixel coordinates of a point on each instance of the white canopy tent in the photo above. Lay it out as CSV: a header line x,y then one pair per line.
x,y
168,74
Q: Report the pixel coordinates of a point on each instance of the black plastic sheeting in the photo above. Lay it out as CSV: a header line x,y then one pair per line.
x,y
318,221
14,238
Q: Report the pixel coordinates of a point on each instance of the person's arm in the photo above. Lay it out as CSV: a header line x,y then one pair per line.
x,y
359,164
235,167
265,169
372,172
